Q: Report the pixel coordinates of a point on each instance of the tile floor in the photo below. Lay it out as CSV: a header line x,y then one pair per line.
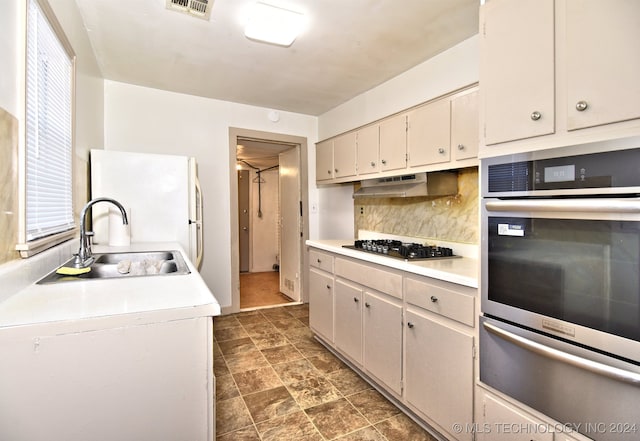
x,y
261,289
275,382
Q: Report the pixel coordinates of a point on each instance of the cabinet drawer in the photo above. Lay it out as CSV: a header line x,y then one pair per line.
x,y
442,300
367,275
321,260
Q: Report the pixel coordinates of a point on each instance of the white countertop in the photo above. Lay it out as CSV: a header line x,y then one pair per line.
x,y
462,270
173,296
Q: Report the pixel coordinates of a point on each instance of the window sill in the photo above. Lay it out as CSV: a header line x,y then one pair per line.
x,y
33,247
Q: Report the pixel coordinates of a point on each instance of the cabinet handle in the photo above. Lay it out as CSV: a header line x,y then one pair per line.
x,y
536,115
328,286
384,161
409,325
329,171
373,164
355,299
319,261
460,147
441,150
367,304
336,170
581,106
434,299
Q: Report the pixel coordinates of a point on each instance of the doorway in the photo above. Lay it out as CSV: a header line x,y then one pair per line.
x,y
268,256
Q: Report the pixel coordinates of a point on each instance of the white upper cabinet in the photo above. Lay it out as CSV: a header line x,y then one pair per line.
x,y
368,150
393,143
465,134
429,134
517,69
557,73
344,155
324,160
603,62
441,134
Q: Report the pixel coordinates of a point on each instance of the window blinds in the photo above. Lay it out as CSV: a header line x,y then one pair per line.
x,y
49,86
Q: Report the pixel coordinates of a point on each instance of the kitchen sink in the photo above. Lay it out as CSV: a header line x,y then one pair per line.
x,y
111,258
126,265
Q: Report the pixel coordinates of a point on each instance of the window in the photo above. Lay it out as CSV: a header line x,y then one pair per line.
x,y
47,205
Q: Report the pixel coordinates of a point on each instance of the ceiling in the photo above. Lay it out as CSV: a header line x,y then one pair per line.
x,y
349,47
258,154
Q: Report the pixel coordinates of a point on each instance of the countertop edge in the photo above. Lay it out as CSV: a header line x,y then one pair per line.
x,y
461,271
96,299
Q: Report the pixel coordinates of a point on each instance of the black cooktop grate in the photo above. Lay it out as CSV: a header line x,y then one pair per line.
x,y
402,250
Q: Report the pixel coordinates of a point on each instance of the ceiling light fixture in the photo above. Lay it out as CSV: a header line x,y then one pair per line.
x,y
273,24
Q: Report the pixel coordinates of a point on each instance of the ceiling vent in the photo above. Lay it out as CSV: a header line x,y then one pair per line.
x,y
196,8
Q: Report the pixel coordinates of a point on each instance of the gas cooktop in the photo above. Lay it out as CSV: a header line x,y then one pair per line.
x,y
402,250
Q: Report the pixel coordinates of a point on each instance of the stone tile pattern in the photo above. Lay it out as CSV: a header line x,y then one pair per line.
x,y
449,218
275,382
9,186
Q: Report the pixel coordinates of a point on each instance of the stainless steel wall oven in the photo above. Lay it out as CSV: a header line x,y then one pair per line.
x,y
560,282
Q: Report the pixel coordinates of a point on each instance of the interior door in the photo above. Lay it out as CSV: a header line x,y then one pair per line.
x,y
290,223
243,219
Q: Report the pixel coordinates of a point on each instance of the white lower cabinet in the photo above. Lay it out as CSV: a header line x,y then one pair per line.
x,y
348,319
383,339
108,379
368,331
500,420
439,371
412,335
321,303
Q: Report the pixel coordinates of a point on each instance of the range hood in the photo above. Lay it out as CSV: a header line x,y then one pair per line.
x,y
419,184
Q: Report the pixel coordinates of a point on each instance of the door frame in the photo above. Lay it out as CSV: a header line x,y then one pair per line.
x,y
234,134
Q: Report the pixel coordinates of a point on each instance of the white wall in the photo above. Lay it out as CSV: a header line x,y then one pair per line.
x,y
154,121
450,70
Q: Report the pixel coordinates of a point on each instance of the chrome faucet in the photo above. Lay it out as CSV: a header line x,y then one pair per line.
x,y
84,258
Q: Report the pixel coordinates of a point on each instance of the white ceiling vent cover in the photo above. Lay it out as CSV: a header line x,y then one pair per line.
x,y
196,8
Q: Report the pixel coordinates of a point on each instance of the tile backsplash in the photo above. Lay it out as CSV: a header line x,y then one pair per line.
x,y
9,186
449,218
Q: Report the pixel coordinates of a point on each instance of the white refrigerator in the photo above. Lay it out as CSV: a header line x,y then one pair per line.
x,y
161,194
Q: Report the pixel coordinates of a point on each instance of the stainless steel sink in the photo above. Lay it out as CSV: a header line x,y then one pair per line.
x,y
111,258
125,265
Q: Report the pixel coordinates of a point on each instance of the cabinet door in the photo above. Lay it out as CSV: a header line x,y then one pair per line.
x,y
348,319
517,69
368,150
465,135
383,339
344,155
603,62
321,303
439,371
500,421
324,160
393,143
429,135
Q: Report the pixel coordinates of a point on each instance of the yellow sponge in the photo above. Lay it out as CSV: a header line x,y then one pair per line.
x,y
70,271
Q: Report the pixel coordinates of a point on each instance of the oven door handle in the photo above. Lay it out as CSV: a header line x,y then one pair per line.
x,y
555,354
609,205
